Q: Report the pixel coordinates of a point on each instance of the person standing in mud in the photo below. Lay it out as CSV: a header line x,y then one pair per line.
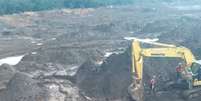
x,y
152,84
178,72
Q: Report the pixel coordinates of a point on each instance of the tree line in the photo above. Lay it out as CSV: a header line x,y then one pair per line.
x,y
16,6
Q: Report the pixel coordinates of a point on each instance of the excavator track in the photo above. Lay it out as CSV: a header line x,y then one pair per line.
x,y
191,93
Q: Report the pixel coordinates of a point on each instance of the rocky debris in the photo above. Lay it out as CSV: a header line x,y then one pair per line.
x,y
59,86
55,78
39,87
6,73
108,81
63,91
23,88
36,69
64,55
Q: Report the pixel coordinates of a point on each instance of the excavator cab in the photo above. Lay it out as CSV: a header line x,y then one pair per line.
x,y
199,72
183,83
195,91
196,69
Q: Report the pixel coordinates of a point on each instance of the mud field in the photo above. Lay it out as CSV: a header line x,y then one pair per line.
x,y
81,54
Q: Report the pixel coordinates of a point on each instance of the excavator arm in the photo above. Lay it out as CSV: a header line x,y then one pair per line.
x,y
139,53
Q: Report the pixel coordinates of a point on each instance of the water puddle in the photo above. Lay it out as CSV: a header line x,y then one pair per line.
x,y
11,60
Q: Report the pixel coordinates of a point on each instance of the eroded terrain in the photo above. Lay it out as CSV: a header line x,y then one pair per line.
x,y
81,54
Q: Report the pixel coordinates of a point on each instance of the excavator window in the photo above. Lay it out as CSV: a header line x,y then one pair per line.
x,y
196,69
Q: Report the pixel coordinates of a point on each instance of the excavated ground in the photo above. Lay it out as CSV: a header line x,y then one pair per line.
x,y
81,54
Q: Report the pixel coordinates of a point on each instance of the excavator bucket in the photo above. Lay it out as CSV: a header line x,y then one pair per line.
x,y
136,91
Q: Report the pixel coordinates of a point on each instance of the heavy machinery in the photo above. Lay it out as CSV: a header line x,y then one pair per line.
x,y
136,89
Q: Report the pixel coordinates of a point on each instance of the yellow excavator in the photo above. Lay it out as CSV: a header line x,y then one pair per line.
x,y
136,89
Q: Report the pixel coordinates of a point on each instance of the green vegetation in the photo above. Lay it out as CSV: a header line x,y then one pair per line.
x,y
16,6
